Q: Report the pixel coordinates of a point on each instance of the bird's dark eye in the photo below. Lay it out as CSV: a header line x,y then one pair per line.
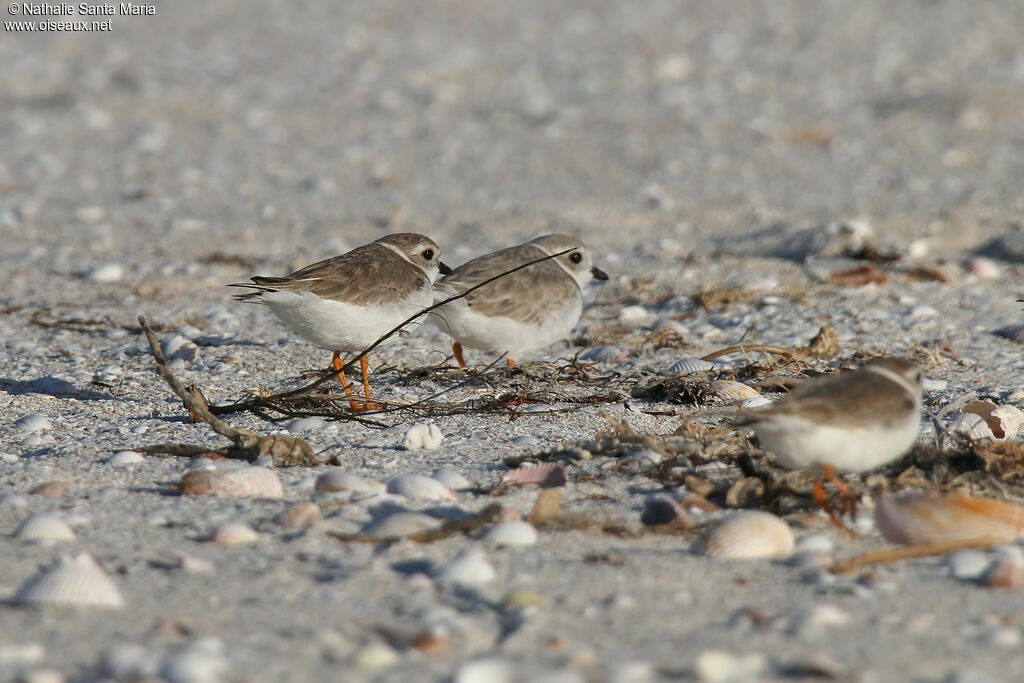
x,y
428,254
576,257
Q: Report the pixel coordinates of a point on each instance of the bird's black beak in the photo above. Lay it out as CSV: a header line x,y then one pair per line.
x,y
445,270
598,273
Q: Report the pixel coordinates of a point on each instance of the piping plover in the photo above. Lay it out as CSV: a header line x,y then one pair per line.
x,y
850,422
345,303
521,311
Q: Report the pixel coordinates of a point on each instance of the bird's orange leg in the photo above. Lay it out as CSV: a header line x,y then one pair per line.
x,y
364,365
822,500
510,363
849,500
457,350
336,363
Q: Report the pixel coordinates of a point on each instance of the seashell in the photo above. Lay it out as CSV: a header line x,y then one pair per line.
x,y
1004,573
632,315
77,581
299,516
470,567
755,402
984,268
604,354
33,423
336,480
545,475
125,459
972,426
202,661
733,391
419,486
1003,421
511,533
452,479
689,365
748,535
234,533
399,524
51,489
920,518
643,459
422,437
487,670
718,666
968,565
1013,333
232,479
45,527
306,424
661,508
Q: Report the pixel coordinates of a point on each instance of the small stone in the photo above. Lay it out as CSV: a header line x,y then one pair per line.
x,y
376,657
715,666
105,272
1004,573
968,565
489,670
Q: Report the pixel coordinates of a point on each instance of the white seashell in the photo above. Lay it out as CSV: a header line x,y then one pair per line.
x,y
77,581
755,402
234,533
232,479
336,480
178,347
470,567
632,315
422,437
306,424
717,666
733,391
489,670
105,272
45,527
33,423
452,479
747,535
203,661
968,565
511,533
972,426
419,486
399,524
919,518
125,459
604,354
688,366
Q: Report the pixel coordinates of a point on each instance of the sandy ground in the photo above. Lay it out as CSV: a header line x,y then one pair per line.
x,y
688,143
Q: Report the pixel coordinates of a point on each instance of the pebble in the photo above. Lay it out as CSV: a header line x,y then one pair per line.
x,y
33,423
633,315
716,666
375,657
968,565
105,272
489,670
234,533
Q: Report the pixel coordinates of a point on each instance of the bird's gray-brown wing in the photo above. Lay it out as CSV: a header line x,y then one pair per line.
x,y
527,296
864,395
368,275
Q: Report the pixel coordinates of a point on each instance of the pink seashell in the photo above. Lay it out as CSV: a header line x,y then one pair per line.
x,y
921,518
545,475
232,479
748,535
984,268
77,581
733,391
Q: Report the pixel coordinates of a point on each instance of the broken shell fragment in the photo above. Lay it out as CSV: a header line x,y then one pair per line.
x,y
77,581
47,527
748,535
418,486
232,479
921,518
1003,421
424,436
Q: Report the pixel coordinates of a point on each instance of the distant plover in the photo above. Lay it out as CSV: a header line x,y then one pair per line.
x,y
347,302
522,311
850,422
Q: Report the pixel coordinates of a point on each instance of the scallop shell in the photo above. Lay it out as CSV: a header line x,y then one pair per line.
x,y
77,581
920,518
511,533
125,459
401,524
755,402
45,527
733,391
452,479
232,479
419,486
336,480
1003,421
545,475
470,567
690,365
748,535
604,354
422,437
234,533
1013,333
